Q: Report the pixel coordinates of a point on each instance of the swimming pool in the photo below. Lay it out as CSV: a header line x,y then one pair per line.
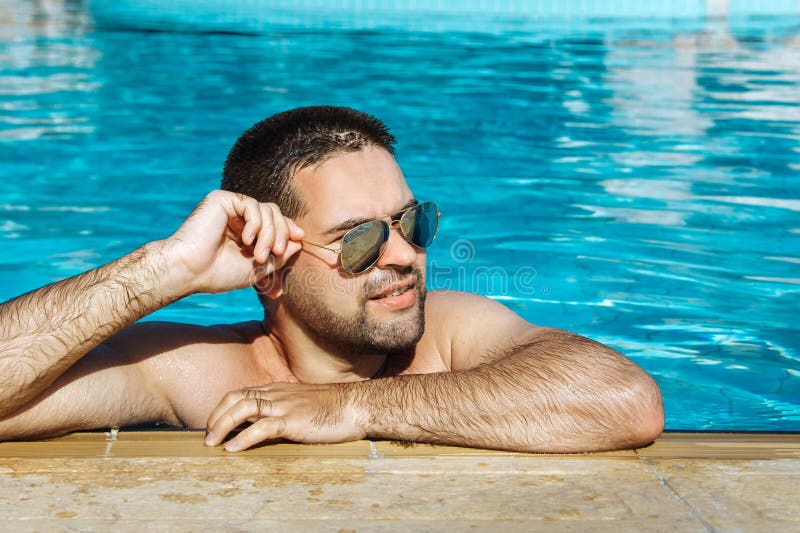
x,y
631,180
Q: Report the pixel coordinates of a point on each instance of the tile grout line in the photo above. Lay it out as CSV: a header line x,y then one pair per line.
x,y
373,450
111,436
653,468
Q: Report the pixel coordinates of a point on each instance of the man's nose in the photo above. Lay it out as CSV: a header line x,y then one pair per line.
x,y
398,251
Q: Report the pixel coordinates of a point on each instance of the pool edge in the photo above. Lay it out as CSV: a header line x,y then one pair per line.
x,y
168,443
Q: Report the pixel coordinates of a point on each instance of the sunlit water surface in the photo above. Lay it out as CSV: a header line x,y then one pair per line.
x,y
633,182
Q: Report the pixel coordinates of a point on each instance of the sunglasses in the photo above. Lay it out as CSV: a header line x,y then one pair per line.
x,y
363,245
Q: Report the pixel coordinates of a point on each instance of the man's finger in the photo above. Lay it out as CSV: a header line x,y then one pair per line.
x,y
269,428
266,237
295,231
237,415
248,209
223,406
281,230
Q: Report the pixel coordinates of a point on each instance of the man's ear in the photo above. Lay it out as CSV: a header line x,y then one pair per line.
x,y
270,286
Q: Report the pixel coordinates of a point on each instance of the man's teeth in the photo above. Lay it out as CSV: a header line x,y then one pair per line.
x,y
398,292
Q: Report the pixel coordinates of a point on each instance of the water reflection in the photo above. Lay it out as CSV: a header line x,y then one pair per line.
x,y
45,64
644,169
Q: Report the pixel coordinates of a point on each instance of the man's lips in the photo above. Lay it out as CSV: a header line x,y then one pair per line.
x,y
400,287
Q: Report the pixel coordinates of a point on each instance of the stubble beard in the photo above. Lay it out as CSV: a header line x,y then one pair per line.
x,y
360,332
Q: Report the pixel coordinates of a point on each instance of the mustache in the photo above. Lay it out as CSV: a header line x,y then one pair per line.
x,y
387,277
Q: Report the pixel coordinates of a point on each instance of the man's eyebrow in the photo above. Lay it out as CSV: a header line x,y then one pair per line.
x,y
351,223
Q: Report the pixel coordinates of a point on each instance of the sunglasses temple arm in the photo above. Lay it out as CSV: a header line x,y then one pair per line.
x,y
323,247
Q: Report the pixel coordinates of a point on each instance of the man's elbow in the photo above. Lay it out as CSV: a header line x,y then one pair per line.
x,y
647,411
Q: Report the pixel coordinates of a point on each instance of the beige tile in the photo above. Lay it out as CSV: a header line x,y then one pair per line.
x,y
397,449
724,446
738,494
347,526
85,482
75,445
520,489
190,444
507,488
133,488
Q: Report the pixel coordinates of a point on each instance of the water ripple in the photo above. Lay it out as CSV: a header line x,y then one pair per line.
x,y
645,169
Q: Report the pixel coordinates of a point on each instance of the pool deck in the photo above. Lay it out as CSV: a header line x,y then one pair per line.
x,y
168,480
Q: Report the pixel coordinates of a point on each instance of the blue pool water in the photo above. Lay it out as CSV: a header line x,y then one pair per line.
x,y
631,180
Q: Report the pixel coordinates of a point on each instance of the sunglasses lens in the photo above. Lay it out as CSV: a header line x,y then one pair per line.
x,y
421,223
362,245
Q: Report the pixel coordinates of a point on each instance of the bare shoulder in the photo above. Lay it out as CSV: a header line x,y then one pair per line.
x,y
151,338
456,311
149,372
474,325
165,348
453,303
191,365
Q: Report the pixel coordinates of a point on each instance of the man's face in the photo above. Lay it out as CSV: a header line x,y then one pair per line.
x,y
354,310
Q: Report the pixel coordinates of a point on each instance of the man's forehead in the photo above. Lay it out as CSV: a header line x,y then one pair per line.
x,y
364,183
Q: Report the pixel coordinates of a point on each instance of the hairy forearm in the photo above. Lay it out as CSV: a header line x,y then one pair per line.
x,y
557,393
43,333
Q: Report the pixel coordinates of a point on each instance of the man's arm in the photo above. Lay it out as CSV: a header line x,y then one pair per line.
x,y
514,387
44,333
521,387
553,392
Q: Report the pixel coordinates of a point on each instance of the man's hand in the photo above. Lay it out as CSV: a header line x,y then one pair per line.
x,y
297,412
226,242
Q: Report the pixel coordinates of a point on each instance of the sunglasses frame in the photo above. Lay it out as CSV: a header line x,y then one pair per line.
x,y
394,223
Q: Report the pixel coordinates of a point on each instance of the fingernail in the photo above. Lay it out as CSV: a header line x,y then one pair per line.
x,y
210,438
232,446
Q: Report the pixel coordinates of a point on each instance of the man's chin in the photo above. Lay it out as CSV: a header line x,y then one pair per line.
x,y
400,332
395,345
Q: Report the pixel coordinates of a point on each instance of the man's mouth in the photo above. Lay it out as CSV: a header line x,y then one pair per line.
x,y
396,296
395,289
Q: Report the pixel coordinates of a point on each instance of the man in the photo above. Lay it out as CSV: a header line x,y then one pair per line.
x,y
317,216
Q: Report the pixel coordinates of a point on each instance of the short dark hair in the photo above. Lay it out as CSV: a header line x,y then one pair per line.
x,y
264,159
